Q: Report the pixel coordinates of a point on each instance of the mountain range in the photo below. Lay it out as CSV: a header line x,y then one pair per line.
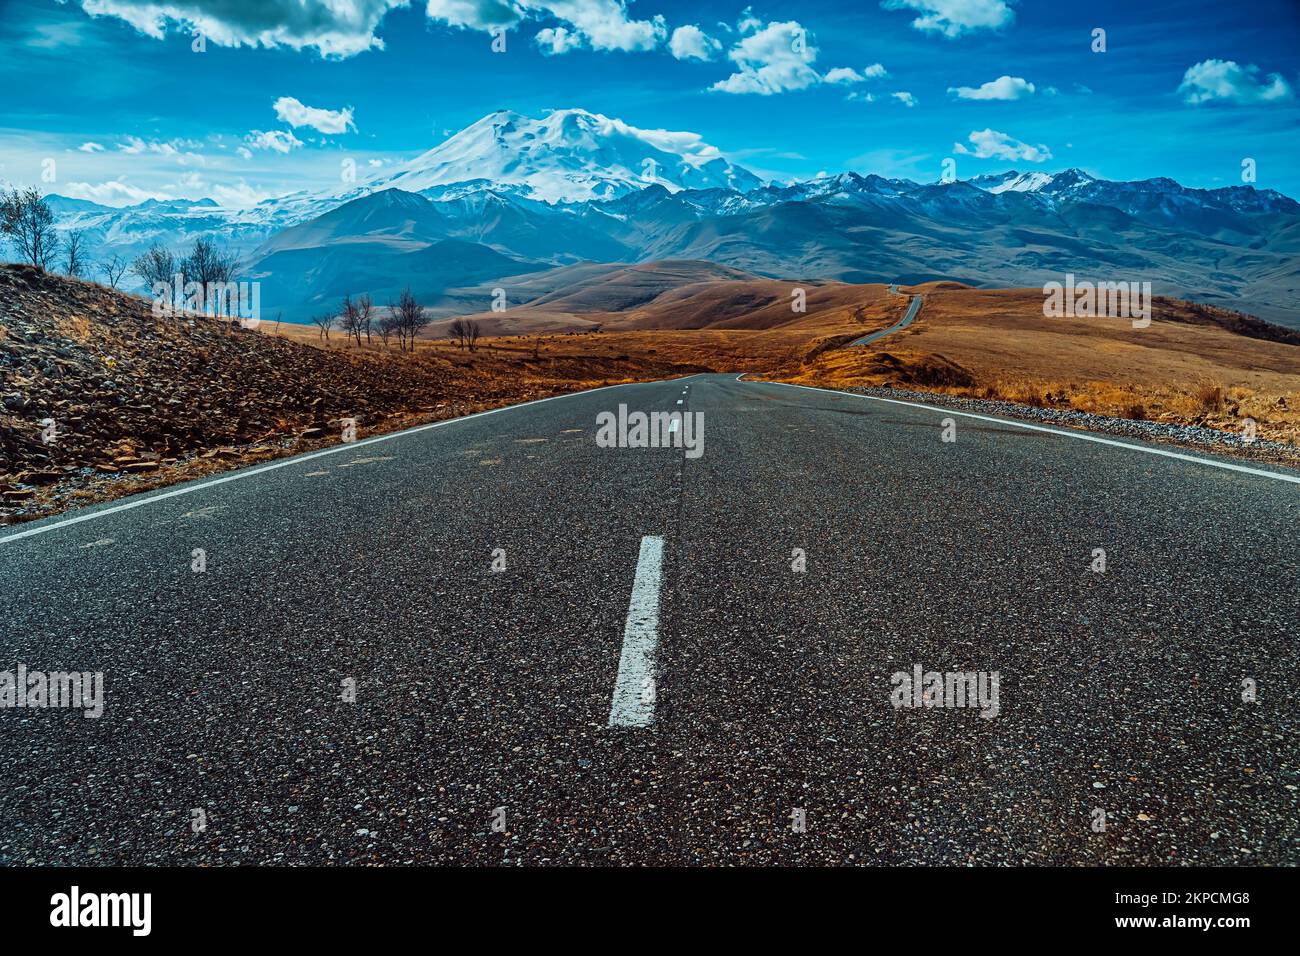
x,y
511,196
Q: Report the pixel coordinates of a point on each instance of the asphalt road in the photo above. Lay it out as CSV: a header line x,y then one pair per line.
x,y
1119,692
913,307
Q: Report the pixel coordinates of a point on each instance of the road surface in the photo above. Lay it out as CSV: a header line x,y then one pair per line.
x,y
913,307
486,700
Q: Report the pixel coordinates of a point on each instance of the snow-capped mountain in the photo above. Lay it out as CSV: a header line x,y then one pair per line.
x,y
519,194
566,156
1013,182
569,156
1160,196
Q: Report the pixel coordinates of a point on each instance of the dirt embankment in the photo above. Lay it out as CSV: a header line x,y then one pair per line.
x,y
98,397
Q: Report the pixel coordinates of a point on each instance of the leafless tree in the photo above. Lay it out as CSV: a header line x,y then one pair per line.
x,y
471,334
457,332
386,326
365,316
114,269
350,320
74,252
324,322
411,318
208,263
26,219
156,264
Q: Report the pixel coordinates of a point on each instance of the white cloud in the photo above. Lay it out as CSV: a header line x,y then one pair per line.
x,y
244,152
1003,88
276,140
91,148
111,193
843,75
339,28
778,57
1227,80
177,149
748,23
862,97
772,60
952,18
605,24
904,97
598,24
692,43
990,144
239,197
476,14
555,40
683,142
846,75
296,114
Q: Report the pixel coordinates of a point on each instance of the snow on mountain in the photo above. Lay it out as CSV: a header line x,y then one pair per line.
x,y
518,193
569,156
1032,182
1026,183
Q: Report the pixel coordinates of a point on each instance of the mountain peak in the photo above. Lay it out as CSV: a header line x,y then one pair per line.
x,y
569,155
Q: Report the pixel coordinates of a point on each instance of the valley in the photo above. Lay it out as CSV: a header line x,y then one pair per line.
x,y
509,199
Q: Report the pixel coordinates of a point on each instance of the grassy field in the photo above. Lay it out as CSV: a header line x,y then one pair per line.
x,y
1189,366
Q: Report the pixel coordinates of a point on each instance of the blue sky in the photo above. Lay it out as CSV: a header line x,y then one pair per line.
x,y
285,89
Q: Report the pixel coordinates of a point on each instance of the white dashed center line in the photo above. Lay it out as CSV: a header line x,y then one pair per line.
x,y
634,689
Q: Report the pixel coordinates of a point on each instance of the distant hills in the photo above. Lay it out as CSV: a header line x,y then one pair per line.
x,y
511,196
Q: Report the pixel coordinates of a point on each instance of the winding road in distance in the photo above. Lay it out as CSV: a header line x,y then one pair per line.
x,y
913,307
485,700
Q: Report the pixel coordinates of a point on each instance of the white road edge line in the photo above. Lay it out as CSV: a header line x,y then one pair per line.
x,y
1082,436
634,688
299,459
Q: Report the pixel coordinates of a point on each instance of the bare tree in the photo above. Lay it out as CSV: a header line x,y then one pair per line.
x,y
114,269
386,326
74,252
350,320
324,322
411,318
208,263
156,264
26,219
365,316
457,332
471,334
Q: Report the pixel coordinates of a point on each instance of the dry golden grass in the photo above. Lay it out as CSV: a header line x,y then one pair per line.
x,y
983,343
835,314
1179,369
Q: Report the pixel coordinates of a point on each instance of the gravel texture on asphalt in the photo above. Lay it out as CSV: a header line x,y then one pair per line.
x,y
479,689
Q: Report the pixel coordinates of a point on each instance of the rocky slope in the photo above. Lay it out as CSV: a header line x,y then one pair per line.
x,y
95,389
